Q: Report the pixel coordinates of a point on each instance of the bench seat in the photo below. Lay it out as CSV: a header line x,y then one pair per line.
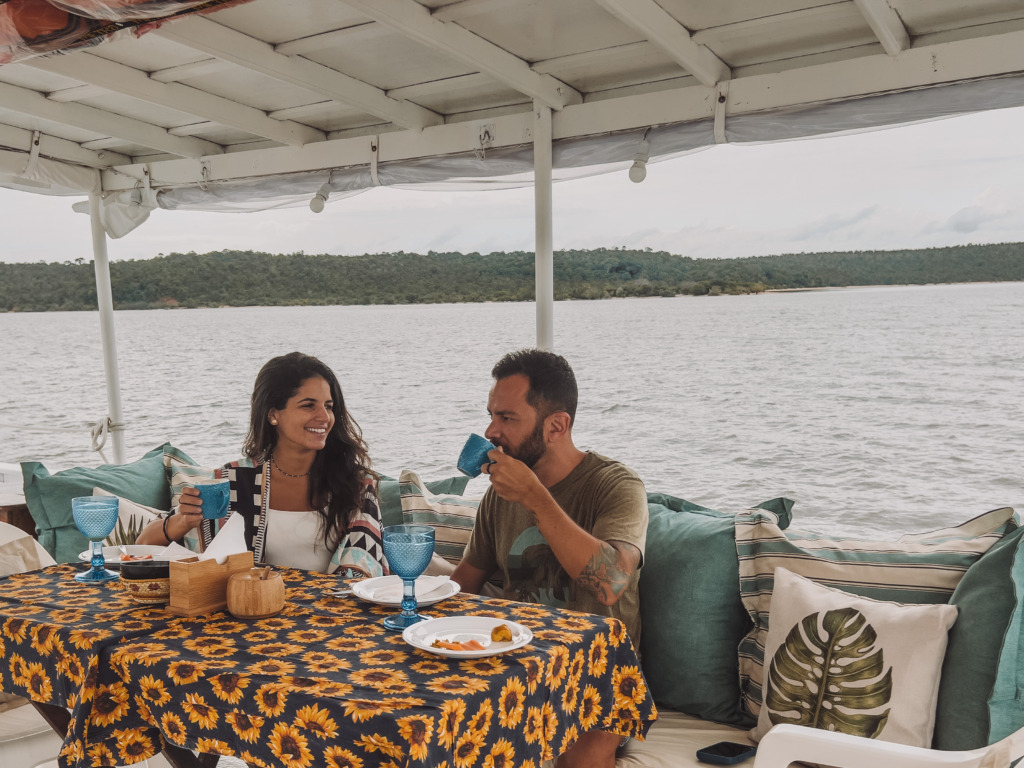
x,y
673,742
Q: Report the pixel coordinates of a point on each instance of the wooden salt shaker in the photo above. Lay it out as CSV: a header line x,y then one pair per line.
x,y
255,594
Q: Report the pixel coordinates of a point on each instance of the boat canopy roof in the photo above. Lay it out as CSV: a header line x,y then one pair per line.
x,y
255,104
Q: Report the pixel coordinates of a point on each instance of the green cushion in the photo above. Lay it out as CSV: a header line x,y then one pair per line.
x,y
389,494
984,669
916,568
49,496
691,610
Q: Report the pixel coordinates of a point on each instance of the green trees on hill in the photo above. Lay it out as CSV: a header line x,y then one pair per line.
x,y
248,278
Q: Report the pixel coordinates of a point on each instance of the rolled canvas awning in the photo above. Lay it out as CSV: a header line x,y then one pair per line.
x,y
29,28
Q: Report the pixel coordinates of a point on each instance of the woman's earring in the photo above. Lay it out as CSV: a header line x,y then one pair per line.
x,y
274,422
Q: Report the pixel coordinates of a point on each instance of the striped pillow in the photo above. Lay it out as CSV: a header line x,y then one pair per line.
x,y
181,473
451,516
919,568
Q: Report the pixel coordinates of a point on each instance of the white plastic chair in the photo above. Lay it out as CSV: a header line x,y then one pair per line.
x,y
785,744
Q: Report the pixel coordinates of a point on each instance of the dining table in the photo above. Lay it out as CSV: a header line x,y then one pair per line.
x,y
321,684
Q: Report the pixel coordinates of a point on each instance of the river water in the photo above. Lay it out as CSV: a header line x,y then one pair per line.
x,y
877,410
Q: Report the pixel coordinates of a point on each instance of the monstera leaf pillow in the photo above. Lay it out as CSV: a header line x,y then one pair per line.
x,y
840,662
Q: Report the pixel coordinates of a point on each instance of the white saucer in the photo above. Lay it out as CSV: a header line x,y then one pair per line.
x,y
113,554
459,629
364,591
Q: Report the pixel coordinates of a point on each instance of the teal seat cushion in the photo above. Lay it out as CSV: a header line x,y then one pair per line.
x,y
691,610
983,672
389,494
49,496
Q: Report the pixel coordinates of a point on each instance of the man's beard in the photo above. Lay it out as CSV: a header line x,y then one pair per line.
x,y
533,447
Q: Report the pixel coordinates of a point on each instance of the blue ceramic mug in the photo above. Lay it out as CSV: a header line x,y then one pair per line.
x,y
474,455
215,495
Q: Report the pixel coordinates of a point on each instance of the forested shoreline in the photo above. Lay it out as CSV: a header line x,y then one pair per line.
x,y
248,278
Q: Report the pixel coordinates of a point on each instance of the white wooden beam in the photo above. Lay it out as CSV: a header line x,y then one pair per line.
x,y
193,129
103,144
918,67
60,149
332,39
29,102
415,22
118,78
185,71
363,130
447,85
77,93
303,111
586,58
466,8
205,35
886,24
652,21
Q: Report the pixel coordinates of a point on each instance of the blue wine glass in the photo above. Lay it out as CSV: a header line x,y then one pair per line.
x,y
408,549
95,517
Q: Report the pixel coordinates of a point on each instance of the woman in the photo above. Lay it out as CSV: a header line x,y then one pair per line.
x,y
306,494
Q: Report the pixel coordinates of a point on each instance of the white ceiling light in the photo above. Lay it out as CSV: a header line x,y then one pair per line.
x,y
317,203
638,171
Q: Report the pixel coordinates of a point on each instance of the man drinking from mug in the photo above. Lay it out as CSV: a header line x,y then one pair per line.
x,y
558,525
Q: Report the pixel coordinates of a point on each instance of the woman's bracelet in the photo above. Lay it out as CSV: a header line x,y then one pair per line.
x,y
168,516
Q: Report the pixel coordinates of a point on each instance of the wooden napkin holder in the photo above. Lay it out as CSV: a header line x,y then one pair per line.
x,y
199,587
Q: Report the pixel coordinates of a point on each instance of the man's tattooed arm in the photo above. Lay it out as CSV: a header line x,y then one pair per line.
x,y
608,572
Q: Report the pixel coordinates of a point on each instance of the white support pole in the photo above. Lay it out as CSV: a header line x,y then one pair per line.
x,y
105,301
544,265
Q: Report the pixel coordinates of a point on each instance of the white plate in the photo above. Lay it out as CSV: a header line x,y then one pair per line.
x,y
459,629
113,554
364,591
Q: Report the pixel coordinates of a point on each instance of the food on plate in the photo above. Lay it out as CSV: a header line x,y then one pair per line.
x,y
451,645
136,557
502,633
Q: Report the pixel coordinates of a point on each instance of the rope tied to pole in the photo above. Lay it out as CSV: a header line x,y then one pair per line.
x,y
98,431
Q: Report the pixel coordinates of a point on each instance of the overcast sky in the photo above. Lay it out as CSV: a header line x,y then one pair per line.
x,y
946,182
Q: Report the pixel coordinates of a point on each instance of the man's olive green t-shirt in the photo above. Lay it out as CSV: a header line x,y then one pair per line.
x,y
603,497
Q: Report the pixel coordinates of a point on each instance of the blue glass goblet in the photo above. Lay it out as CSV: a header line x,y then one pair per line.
x,y
408,549
95,517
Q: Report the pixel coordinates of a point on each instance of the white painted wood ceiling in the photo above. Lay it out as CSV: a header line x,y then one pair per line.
x,y
301,84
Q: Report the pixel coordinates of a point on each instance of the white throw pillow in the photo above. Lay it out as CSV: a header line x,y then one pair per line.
x,y
878,663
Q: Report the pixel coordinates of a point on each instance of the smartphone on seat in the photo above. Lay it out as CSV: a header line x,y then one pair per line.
x,y
726,753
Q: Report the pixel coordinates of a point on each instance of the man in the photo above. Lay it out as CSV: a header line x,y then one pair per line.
x,y
562,526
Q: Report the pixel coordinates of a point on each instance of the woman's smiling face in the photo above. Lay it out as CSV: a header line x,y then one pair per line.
x,y
307,417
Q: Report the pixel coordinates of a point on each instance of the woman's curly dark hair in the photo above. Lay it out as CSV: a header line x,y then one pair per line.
x,y
339,472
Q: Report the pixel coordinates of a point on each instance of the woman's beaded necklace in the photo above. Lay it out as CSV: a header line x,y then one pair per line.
x,y
288,474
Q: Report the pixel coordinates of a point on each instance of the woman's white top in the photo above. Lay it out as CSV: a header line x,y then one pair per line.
x,y
296,540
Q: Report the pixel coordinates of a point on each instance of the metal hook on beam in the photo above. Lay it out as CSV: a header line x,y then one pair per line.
x,y
721,101
374,144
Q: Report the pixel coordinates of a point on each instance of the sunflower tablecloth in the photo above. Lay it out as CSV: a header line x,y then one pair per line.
x,y
53,632
324,685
